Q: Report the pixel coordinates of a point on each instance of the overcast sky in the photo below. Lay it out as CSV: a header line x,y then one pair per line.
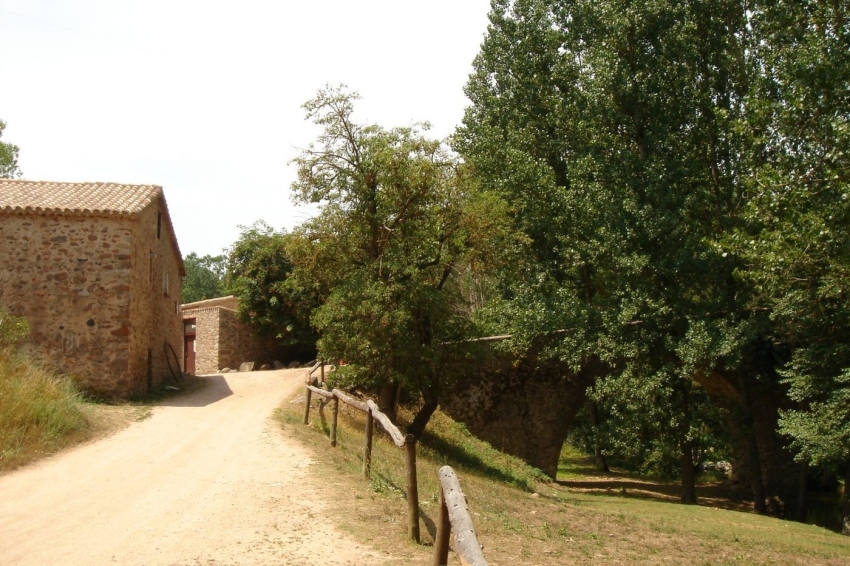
x,y
204,97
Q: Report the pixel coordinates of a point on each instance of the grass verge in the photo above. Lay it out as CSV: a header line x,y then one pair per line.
x,y
522,518
40,411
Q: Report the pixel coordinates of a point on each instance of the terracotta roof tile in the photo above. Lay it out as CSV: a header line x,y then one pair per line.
x,y
83,199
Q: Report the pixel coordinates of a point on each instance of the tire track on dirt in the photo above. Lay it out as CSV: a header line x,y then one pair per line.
x,y
207,480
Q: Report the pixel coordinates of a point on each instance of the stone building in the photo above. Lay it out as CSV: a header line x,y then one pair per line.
x,y
96,270
215,339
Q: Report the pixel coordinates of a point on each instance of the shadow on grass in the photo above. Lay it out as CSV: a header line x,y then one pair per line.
x,y
458,456
723,495
582,475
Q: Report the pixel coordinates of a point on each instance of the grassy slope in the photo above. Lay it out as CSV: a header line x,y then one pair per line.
x,y
40,411
521,518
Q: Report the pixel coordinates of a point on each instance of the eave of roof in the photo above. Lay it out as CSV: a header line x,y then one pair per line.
x,y
94,199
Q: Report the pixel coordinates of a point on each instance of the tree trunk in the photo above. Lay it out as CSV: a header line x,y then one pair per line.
x,y
802,492
759,503
845,513
601,463
388,399
420,421
689,475
754,460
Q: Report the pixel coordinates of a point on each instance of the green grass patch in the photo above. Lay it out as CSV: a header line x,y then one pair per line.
x,y
523,518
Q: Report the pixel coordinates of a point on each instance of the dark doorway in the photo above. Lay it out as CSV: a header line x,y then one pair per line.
x,y
189,346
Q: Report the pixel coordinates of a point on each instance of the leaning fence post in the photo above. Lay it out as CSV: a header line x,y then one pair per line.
x,y
444,531
307,405
412,488
367,445
335,418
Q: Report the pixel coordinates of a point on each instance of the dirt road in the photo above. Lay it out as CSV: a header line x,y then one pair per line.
x,y
207,480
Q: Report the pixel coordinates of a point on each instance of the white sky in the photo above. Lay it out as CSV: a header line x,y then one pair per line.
x,y
204,97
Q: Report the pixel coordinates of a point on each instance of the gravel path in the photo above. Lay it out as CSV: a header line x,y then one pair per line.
x,y
208,479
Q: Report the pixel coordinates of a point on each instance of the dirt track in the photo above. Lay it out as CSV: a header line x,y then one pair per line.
x,y
207,480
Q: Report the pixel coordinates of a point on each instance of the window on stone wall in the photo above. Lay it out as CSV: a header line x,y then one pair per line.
x,y
165,283
158,225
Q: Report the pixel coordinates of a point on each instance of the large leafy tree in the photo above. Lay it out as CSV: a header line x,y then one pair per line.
x,y
398,226
204,277
8,157
681,171
799,248
259,272
618,133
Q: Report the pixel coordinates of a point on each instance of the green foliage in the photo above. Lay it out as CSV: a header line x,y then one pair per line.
x,y
395,247
204,277
644,422
612,130
681,173
259,273
8,157
799,247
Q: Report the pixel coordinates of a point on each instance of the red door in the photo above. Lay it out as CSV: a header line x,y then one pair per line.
x,y
189,346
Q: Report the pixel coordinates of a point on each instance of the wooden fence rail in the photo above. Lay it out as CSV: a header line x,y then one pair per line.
x,y
454,516
373,413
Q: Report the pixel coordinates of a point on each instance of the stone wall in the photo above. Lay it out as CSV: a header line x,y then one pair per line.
x,y
239,343
522,407
223,341
70,277
207,330
156,289
91,288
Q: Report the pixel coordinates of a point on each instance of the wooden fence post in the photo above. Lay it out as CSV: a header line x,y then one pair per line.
x,y
367,445
335,418
412,488
307,406
444,531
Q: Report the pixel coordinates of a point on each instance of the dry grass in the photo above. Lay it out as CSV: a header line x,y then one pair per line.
x,y
40,411
523,519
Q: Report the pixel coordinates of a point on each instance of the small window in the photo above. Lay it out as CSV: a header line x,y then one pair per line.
x,y
165,283
158,225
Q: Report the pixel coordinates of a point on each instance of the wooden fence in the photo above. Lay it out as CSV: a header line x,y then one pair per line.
x,y
454,514
407,443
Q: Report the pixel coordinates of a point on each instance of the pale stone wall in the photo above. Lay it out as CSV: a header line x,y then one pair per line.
x,y
206,338
239,343
69,276
223,341
156,287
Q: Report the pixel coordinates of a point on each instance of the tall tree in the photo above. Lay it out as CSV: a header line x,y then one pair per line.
x,y
204,277
799,247
398,221
8,157
616,131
